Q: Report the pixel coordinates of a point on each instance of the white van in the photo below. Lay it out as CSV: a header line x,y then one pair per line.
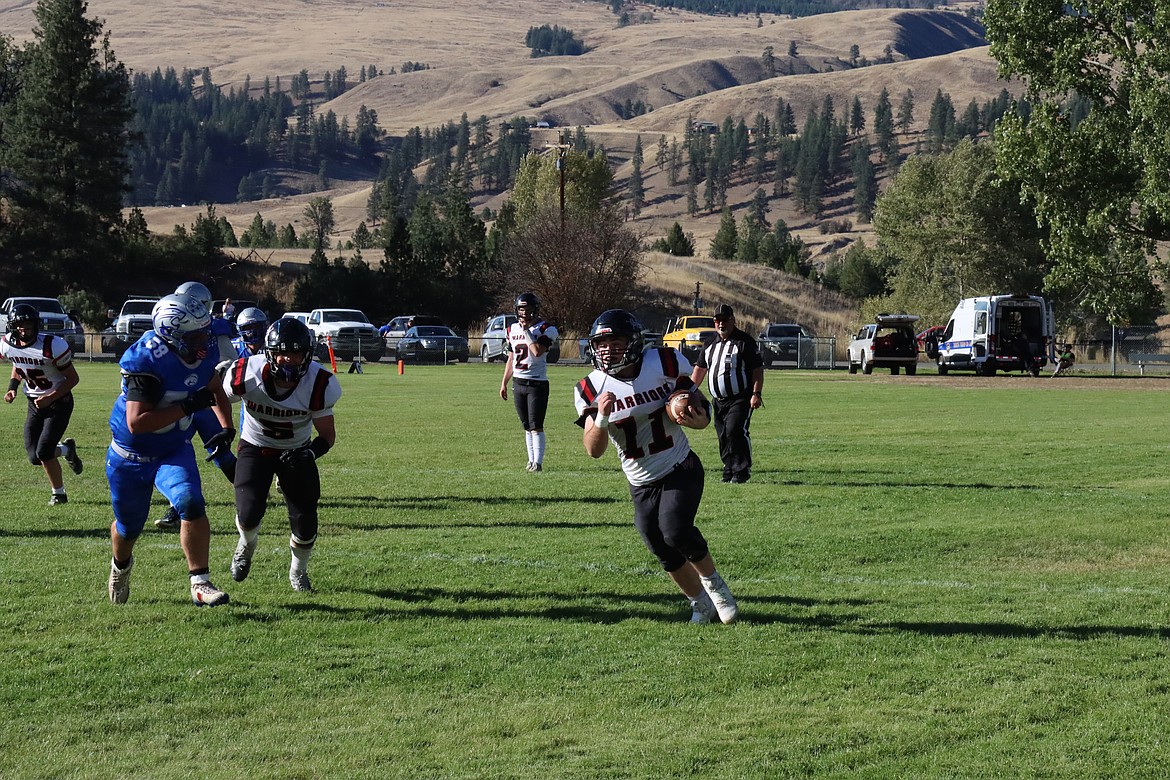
x,y
998,333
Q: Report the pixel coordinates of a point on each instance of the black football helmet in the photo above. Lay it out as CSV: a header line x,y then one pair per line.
x,y
527,307
616,322
288,335
26,317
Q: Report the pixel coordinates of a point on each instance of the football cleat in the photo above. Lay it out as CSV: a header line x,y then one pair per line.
x,y
721,597
702,610
242,561
70,447
56,499
169,521
536,468
120,583
204,594
299,581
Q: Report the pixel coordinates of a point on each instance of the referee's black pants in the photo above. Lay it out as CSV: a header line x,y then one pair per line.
x,y
733,418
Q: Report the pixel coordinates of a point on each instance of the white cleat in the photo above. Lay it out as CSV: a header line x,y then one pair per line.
x,y
703,611
721,597
204,594
299,581
120,583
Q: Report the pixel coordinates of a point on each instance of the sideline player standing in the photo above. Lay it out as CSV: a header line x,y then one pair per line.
x,y
736,372
286,396
167,376
623,400
529,341
44,363
206,425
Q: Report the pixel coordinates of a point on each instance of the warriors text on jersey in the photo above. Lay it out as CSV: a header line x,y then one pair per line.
x,y
525,365
152,371
39,365
650,443
276,417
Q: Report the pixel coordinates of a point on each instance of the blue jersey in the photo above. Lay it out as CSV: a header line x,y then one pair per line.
x,y
222,327
241,347
152,358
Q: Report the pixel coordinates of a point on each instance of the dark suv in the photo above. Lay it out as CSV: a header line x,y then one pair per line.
x,y
787,342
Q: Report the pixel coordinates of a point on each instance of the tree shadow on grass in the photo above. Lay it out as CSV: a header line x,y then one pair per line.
x,y
857,479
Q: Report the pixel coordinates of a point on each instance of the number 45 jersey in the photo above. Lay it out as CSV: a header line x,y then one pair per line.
x,y
39,365
277,417
649,442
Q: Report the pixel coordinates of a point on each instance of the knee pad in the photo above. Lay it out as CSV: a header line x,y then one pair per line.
x,y
190,506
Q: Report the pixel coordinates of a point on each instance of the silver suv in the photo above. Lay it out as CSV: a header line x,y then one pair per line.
x,y
493,344
132,321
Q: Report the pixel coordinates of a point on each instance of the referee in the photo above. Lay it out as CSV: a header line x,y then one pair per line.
x,y
736,381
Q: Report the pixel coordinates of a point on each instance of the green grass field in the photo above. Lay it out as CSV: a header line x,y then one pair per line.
x,y
937,578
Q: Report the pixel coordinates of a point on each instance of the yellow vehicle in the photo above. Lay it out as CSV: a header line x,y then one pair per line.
x,y
689,334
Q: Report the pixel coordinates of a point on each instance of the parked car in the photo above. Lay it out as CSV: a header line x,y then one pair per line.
x,y
348,331
690,334
426,343
493,343
886,343
788,342
303,316
132,321
54,319
998,333
396,328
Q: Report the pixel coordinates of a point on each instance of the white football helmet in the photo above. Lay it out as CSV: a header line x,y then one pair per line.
x,y
252,324
196,290
183,323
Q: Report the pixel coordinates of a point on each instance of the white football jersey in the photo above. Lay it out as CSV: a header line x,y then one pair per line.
x,y
524,364
39,365
649,442
273,417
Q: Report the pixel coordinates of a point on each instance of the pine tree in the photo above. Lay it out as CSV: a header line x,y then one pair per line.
x,y
63,152
723,245
637,188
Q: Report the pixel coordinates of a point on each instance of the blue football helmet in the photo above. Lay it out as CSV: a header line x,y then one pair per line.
x,y
252,324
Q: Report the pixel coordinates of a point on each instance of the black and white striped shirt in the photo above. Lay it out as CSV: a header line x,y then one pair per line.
x,y
729,365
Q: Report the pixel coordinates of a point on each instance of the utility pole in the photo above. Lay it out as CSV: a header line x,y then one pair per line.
x,y
698,302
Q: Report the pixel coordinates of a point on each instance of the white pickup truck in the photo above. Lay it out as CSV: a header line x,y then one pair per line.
x,y
53,319
348,331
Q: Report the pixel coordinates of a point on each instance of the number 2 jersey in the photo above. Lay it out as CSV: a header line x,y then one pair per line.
x,y
275,417
39,365
649,442
525,365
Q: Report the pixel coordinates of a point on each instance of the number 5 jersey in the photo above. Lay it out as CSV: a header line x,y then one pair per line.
x,y
280,418
39,365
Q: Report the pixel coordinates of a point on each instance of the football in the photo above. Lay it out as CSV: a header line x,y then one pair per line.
x,y
678,406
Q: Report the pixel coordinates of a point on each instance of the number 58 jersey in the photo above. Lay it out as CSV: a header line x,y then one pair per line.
x,y
649,442
276,417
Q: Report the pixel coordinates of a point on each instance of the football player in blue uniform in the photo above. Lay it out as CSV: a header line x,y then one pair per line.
x,y
252,325
167,376
43,363
624,401
222,333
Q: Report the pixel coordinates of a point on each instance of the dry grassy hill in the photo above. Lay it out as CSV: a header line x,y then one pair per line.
x,y
680,63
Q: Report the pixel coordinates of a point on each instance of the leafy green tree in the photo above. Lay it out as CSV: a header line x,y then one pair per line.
x,y
860,274
320,224
1099,185
952,229
723,245
63,153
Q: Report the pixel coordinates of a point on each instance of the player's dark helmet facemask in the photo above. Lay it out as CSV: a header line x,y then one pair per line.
x,y
527,306
24,325
287,335
616,323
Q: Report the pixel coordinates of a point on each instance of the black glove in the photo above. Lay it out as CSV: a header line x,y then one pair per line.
x,y
200,399
298,458
220,443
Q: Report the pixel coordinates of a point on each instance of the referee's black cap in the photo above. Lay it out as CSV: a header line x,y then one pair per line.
x,y
724,312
